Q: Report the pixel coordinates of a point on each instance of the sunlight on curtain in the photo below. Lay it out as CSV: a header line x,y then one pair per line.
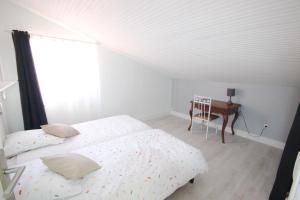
x,y
69,78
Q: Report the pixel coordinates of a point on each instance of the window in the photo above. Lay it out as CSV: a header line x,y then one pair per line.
x,y
69,79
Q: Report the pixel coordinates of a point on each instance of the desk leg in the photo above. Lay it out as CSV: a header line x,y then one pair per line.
x,y
191,113
225,120
236,115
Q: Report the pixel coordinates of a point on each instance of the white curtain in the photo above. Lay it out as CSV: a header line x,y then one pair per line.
x,y
69,79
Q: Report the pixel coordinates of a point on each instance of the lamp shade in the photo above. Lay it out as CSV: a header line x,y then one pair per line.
x,y
230,92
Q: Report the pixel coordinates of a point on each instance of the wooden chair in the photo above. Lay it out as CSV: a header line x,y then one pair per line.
x,y
201,111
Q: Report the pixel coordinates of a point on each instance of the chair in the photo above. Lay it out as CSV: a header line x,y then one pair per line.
x,y
201,111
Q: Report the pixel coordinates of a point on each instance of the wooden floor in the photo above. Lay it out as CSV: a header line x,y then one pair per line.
x,y
239,169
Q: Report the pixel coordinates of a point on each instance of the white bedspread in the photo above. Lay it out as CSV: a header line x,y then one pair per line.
x,y
91,132
149,165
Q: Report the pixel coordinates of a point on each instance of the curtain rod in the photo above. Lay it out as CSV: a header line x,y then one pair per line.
x,y
60,38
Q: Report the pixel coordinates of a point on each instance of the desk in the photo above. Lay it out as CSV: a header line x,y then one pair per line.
x,y
221,107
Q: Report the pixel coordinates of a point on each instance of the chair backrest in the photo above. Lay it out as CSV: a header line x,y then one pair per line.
x,y
203,104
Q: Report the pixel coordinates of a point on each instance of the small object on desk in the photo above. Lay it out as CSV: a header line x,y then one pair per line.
x,y
230,93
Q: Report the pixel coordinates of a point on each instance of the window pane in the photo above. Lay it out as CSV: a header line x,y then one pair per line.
x,y
68,74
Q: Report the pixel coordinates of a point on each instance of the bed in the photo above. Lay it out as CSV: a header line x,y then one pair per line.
x,y
148,165
137,162
91,132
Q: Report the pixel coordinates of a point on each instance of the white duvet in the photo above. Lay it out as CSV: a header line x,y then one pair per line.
x,y
91,132
148,165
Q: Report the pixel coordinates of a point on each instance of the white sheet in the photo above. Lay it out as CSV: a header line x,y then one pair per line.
x,y
92,132
149,165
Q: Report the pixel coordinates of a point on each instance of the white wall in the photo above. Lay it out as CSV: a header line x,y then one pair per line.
x,y
8,64
127,87
261,104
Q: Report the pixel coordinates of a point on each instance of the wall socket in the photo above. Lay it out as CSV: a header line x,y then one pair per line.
x,y
266,125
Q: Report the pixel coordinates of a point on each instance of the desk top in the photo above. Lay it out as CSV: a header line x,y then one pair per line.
x,y
223,105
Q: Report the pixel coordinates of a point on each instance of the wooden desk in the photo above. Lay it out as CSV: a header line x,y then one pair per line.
x,y
221,107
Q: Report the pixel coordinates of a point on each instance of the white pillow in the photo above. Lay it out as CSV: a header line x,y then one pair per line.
x,y
70,165
60,130
19,142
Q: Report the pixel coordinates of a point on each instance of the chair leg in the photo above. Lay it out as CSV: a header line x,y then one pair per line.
x,y
216,128
201,126
207,125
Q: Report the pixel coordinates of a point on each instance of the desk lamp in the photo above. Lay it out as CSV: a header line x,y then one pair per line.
x,y
230,93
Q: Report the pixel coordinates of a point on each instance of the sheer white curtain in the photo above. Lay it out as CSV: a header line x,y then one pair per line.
x,y
69,79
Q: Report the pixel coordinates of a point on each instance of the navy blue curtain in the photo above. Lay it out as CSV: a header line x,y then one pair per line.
x,y
284,177
33,110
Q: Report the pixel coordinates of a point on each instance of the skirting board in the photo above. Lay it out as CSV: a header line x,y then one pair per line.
x,y
152,116
244,134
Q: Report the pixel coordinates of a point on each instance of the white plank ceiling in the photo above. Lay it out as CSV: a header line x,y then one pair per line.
x,y
253,41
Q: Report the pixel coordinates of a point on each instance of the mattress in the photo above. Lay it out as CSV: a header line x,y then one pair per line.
x,y
148,165
91,132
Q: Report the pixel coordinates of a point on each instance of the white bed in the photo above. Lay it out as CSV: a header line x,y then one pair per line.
x,y
147,165
91,132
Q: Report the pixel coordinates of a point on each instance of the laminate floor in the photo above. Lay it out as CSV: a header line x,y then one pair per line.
x,y
241,169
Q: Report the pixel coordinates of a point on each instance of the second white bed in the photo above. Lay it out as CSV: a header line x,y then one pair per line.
x,y
149,165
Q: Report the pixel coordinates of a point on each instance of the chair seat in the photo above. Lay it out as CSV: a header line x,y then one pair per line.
x,y
205,116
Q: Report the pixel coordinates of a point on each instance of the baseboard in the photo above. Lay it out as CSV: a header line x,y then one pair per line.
x,y
244,134
152,116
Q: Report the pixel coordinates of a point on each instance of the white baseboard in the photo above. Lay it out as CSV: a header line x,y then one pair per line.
x,y
244,134
152,116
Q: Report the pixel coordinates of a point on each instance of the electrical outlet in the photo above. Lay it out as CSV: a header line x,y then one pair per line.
x,y
266,125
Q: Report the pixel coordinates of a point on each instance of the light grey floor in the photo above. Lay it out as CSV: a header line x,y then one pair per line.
x,y
239,169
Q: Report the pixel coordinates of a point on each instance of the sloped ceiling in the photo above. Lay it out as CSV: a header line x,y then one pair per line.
x,y
256,41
